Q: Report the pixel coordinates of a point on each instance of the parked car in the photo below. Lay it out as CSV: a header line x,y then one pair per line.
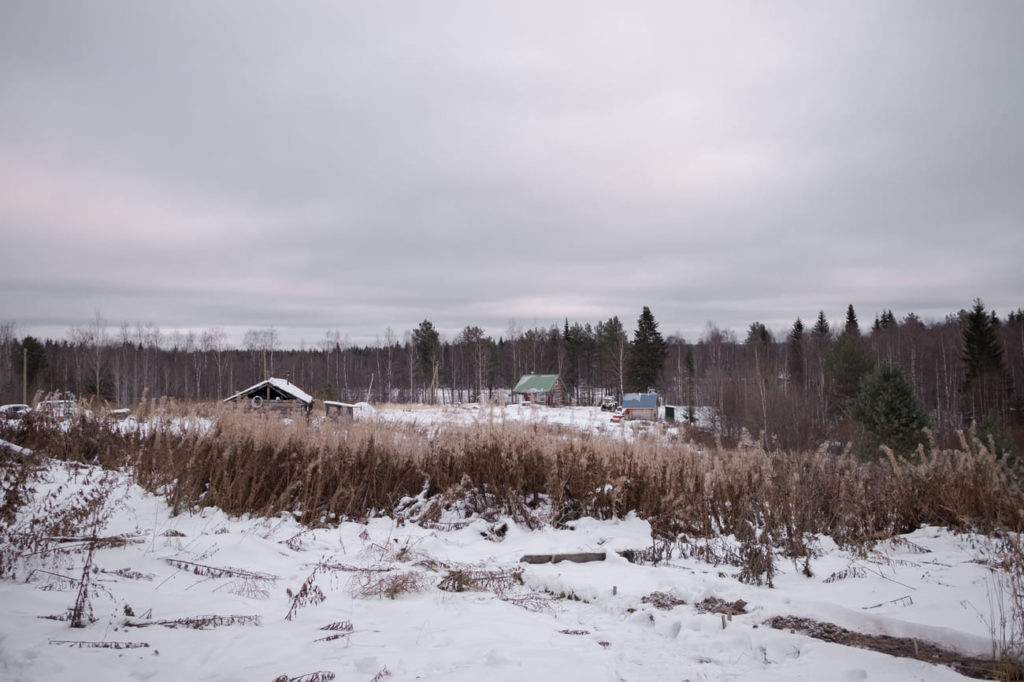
x,y
14,411
608,405
58,409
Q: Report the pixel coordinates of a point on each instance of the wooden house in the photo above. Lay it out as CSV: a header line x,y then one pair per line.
x,y
541,389
640,406
274,394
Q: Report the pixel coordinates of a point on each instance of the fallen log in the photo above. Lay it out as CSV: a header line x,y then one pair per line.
x,y
577,557
16,449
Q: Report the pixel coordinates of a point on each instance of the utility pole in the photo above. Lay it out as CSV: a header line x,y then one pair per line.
x,y
24,374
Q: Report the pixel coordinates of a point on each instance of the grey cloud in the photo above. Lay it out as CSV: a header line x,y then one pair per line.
x,y
358,165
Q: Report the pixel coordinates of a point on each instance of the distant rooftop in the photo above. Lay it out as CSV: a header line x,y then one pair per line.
x,y
639,400
536,383
282,385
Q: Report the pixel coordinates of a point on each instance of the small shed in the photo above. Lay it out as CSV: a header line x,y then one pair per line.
x,y
274,394
541,389
640,406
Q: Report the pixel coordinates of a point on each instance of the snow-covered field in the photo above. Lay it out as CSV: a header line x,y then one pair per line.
x,y
219,598
590,419
473,413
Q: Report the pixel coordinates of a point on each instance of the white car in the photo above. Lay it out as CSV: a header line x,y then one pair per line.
x,y
58,409
14,411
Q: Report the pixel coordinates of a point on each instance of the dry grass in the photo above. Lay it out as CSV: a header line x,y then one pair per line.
x,y
1006,596
327,471
391,584
198,622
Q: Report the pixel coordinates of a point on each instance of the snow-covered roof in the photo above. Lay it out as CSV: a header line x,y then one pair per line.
x,y
282,385
639,400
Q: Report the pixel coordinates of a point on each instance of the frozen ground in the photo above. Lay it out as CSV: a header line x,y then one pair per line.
x,y
564,621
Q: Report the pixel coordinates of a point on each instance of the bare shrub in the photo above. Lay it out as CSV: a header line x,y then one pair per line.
x,y
309,594
318,676
245,583
82,610
390,585
341,625
220,571
198,622
99,645
480,580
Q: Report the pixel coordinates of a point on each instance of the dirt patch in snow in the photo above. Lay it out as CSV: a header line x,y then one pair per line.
x,y
662,600
716,605
904,647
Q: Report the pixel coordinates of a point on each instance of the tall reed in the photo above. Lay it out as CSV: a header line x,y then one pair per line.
x,y
324,471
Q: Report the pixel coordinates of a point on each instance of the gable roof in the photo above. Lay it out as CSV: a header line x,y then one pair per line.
x,y
639,400
282,385
536,383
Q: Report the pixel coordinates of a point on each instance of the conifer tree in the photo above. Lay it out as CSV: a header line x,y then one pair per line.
x,y
889,412
984,385
821,328
427,342
613,349
852,326
795,352
649,353
758,334
845,362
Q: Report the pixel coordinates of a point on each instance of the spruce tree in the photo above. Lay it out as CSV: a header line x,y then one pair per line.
x,y
985,384
889,412
821,329
795,353
649,353
846,361
852,326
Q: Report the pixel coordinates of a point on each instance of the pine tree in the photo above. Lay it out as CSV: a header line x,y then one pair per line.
x,y
821,328
852,326
758,334
985,384
427,342
845,362
889,412
613,349
795,353
649,353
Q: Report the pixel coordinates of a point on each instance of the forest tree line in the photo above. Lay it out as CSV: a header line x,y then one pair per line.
x,y
795,390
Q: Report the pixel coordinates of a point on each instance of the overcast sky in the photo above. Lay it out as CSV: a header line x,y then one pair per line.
x,y
333,165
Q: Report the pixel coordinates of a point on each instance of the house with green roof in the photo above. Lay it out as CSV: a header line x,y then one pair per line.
x,y
541,389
